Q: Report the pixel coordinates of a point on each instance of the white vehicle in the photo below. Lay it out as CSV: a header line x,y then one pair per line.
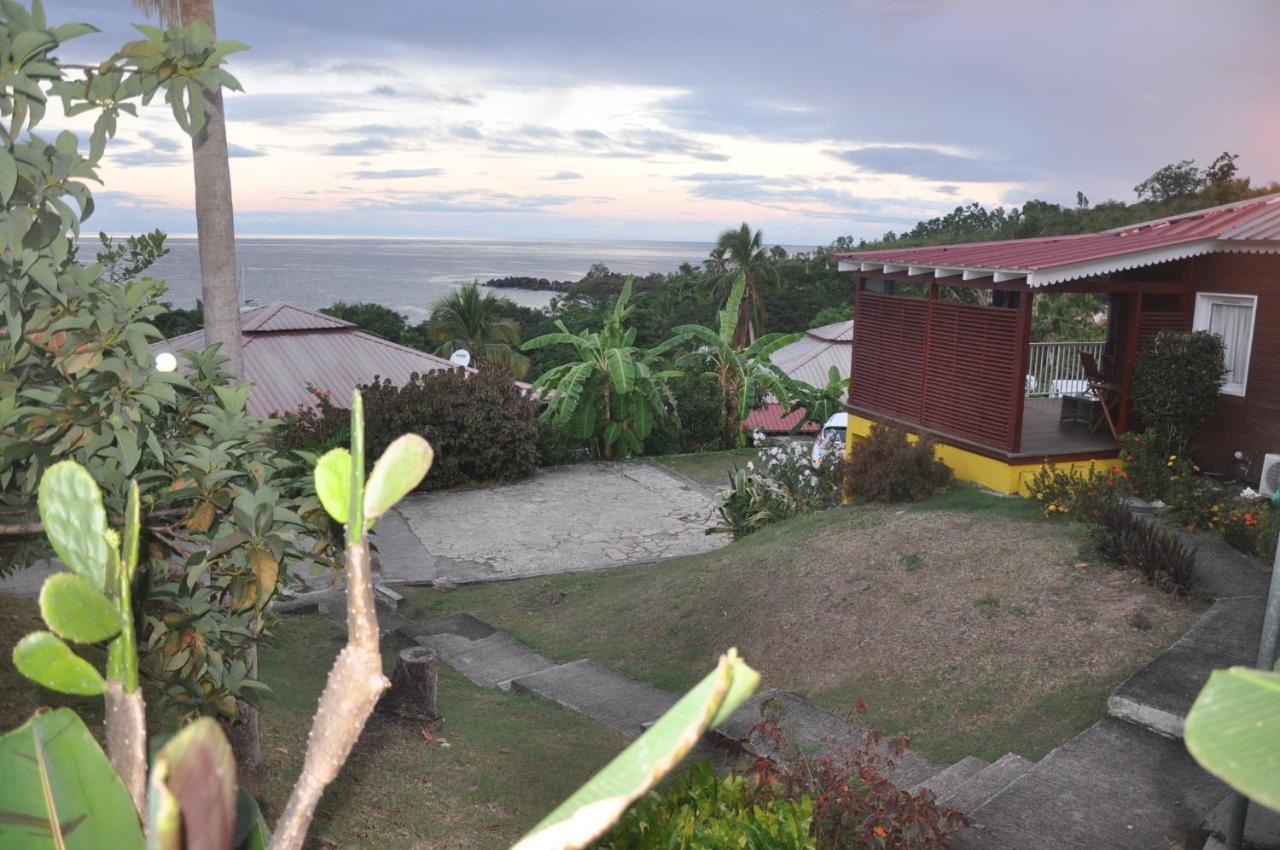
x,y
831,437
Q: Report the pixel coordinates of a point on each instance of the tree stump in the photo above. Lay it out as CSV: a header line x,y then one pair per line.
x,y
412,695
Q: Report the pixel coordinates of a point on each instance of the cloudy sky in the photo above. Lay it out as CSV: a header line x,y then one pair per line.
x,y
671,119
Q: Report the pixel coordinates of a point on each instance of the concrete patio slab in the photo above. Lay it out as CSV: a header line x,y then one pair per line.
x,y
568,519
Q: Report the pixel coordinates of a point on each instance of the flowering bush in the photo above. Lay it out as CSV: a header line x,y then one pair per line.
x,y
1252,526
1082,496
785,484
1145,461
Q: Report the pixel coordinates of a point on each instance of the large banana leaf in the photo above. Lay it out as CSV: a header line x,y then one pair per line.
x,y
1233,730
594,807
59,790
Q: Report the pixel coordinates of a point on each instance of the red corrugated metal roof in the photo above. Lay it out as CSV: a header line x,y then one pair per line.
x,y
773,419
287,348
1252,225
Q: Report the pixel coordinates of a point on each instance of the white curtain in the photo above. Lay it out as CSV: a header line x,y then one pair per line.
x,y
1232,322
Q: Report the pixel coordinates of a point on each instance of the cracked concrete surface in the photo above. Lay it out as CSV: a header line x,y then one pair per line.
x,y
567,519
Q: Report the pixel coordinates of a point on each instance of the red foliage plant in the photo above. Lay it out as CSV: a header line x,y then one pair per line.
x,y
855,806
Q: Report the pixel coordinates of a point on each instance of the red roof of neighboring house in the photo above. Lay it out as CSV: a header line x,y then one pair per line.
x,y
1248,226
287,348
773,419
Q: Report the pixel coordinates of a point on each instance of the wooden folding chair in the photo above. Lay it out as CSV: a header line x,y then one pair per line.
x,y
1107,393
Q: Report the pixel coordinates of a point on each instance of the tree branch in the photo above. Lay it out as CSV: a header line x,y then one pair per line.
x,y
352,690
30,529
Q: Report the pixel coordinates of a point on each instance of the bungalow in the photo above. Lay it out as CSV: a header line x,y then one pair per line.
x,y
808,359
942,343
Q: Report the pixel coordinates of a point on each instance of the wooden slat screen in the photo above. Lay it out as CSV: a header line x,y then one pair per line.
x,y
963,382
888,355
971,376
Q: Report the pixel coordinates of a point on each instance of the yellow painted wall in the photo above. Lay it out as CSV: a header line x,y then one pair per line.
x,y
969,466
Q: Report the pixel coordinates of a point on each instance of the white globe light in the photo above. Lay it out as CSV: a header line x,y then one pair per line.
x,y
166,362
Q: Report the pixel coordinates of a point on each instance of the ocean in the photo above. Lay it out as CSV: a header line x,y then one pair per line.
x,y
409,275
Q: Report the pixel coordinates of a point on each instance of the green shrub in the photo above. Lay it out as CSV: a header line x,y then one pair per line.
x,y
703,812
855,806
1082,496
696,425
888,467
482,425
1176,380
1128,540
749,504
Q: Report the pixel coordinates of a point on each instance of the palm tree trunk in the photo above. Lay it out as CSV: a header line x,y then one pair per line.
x,y
215,218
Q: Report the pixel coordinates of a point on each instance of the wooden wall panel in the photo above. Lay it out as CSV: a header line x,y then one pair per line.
x,y
973,362
888,355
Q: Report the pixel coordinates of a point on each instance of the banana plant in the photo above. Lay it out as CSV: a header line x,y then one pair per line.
x,y
62,792
743,374
614,392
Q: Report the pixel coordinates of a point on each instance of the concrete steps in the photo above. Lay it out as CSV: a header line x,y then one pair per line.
x,y
946,781
477,650
972,793
1115,786
1159,695
606,696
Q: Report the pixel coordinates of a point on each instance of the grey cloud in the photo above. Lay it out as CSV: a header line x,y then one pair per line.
x,y
466,131
161,143
947,189
236,151
929,164
359,147
461,201
397,173
564,175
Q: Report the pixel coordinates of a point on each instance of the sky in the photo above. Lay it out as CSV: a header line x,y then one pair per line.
x,y
674,119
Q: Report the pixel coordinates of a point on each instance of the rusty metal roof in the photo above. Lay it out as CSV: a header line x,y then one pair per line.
x,y
287,348
1245,226
773,418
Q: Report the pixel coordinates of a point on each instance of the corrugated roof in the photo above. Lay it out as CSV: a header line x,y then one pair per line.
x,y
287,348
1250,226
811,357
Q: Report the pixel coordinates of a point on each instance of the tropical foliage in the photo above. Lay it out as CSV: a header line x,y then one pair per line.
x,y
745,375
1176,380
613,391
740,254
468,319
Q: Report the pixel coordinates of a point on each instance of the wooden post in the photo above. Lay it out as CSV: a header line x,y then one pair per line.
x,y
412,695
1019,399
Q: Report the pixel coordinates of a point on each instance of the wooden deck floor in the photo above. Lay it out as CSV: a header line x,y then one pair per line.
x,y
1044,433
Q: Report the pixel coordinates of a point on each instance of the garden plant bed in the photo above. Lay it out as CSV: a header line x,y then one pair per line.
x,y
974,632
709,469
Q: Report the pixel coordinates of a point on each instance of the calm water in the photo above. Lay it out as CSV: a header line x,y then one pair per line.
x,y
409,275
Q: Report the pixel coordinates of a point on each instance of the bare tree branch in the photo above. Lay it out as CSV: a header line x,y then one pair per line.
x,y
353,687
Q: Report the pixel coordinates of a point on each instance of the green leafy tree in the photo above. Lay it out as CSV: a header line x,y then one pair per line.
x,y
741,252
744,375
1176,382
467,318
819,403
1067,318
613,391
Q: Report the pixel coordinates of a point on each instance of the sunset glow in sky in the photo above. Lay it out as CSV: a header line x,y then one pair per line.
x,y
675,119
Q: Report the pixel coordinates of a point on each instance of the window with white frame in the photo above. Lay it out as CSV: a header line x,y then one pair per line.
x,y
1231,317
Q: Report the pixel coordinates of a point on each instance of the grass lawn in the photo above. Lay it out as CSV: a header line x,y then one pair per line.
x,y
969,624
709,469
511,759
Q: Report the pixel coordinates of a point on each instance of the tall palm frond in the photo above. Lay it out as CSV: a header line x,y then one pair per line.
x,y
740,251
467,318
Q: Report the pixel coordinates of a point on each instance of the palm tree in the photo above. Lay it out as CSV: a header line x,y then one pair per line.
x,y
215,214
742,373
737,252
468,319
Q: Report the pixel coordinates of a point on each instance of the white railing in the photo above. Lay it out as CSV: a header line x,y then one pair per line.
x,y
1055,368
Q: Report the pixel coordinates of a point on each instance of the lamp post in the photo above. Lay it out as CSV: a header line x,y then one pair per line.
x,y
1265,660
